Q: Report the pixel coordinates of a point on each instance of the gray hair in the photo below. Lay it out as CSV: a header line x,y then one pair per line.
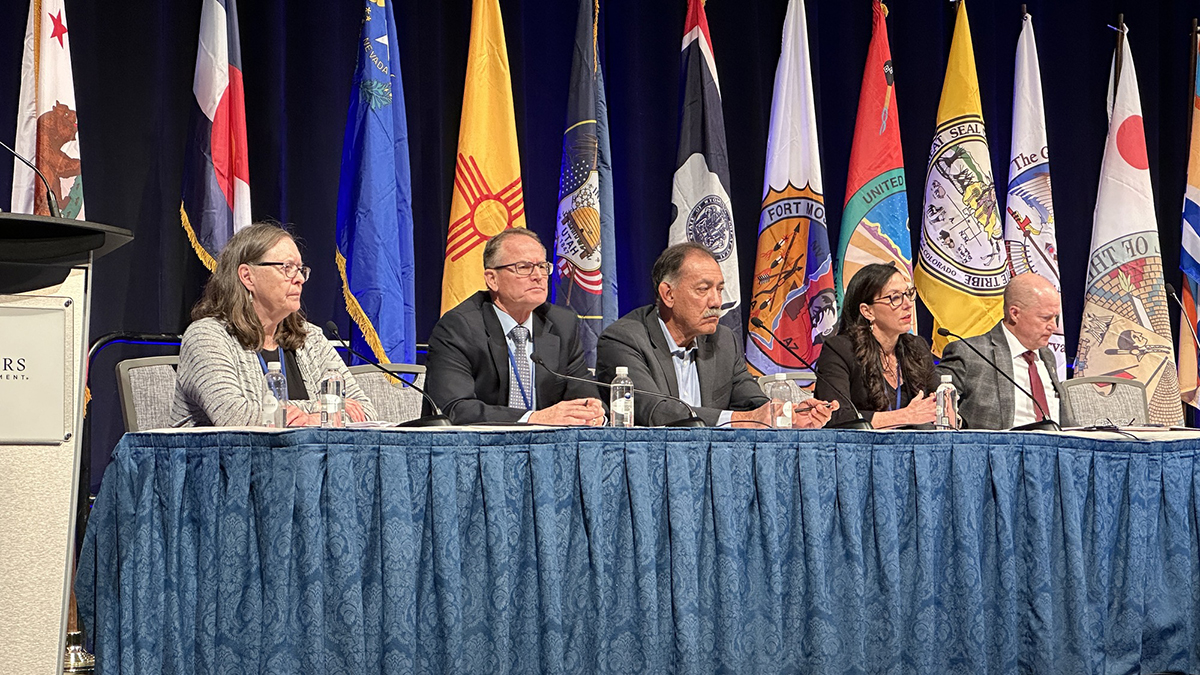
x,y
670,261
491,250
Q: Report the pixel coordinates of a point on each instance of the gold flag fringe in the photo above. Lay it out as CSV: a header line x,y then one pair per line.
x,y
205,256
356,313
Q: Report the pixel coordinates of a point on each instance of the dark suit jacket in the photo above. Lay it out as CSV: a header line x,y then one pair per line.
x,y
467,368
838,366
985,398
636,341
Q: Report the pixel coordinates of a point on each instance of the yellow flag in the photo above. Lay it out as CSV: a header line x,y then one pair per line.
x,y
487,175
963,265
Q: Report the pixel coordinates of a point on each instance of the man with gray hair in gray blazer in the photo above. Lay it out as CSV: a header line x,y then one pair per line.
x,y
678,347
1017,345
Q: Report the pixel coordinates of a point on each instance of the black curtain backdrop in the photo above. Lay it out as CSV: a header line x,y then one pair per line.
x,y
134,63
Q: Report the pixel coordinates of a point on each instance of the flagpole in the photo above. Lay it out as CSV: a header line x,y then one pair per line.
x,y
1191,102
1120,50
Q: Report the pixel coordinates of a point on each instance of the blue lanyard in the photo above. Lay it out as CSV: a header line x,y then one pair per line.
x,y
520,385
263,361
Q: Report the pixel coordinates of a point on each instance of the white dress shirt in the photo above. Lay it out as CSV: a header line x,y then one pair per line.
x,y
1024,411
507,323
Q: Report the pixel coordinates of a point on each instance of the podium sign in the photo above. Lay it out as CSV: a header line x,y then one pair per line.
x,y
36,397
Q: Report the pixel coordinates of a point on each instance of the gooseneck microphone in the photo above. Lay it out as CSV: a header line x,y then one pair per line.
x,y
437,419
1171,292
1044,424
51,200
859,422
693,420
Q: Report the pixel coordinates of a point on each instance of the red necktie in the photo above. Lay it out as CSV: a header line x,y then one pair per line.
x,y
1035,383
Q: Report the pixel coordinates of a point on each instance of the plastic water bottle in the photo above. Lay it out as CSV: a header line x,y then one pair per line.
x,y
333,403
946,404
620,399
270,411
779,388
277,386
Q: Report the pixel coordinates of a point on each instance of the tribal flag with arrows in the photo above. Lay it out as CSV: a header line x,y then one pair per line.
x,y
700,206
487,176
46,124
585,277
1029,214
1126,330
793,272
875,218
962,268
1189,256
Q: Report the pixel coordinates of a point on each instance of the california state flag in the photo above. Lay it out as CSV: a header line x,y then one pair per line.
x,y
1126,329
46,125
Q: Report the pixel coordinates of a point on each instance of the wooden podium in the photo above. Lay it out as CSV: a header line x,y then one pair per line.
x,y
45,298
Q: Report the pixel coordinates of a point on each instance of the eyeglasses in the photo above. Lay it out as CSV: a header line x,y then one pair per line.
x,y
289,269
896,299
526,268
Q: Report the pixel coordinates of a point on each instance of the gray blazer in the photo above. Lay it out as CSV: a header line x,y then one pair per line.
x,y
985,398
220,383
636,341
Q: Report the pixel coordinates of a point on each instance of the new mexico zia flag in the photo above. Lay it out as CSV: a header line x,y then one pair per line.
x,y
1126,329
963,266
487,176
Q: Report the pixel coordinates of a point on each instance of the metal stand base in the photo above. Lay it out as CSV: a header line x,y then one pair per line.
x,y
77,659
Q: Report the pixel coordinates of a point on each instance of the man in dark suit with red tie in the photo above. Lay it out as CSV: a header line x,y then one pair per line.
x,y
1017,345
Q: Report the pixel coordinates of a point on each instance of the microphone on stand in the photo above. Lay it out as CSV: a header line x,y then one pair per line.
x,y
1171,292
437,419
859,422
693,420
1044,424
51,200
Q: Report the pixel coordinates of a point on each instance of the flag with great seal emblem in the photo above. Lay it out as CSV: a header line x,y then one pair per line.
x,y
962,267
700,206
487,174
793,270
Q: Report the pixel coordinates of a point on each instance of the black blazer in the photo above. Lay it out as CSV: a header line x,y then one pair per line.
x,y
839,366
467,368
636,341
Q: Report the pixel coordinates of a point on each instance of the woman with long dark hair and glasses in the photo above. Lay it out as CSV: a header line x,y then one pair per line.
x,y
248,317
886,370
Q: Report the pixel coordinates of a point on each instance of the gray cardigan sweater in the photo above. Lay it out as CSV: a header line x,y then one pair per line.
x,y
220,383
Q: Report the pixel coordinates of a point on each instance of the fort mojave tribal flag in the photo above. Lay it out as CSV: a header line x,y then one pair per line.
x,y
46,124
962,268
487,176
216,169
374,217
585,278
1029,214
793,270
700,206
875,220
1189,257
1126,329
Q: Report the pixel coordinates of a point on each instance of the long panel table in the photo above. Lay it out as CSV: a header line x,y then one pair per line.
x,y
644,551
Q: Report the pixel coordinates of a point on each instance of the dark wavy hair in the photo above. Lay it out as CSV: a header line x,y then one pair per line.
x,y
915,370
226,298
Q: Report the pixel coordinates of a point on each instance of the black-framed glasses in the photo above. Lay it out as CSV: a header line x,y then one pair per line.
x,y
896,299
289,269
526,268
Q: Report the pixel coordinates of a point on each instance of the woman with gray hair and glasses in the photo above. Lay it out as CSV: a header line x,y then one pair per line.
x,y
248,317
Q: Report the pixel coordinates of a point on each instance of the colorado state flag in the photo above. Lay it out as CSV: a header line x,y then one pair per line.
x,y
216,171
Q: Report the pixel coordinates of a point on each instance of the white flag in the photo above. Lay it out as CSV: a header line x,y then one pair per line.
x,y
1126,329
1029,215
46,126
